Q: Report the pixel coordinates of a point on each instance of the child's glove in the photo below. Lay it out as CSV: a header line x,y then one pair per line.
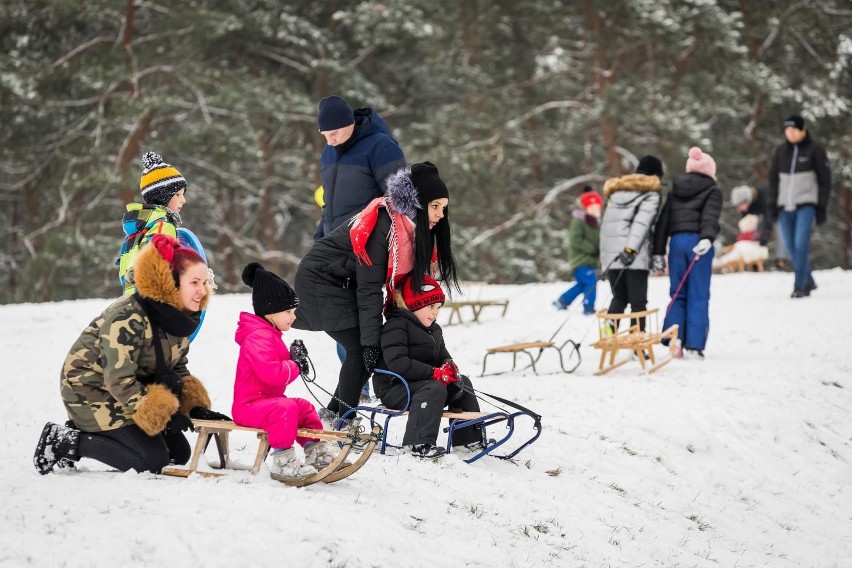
x,y
299,355
298,350
627,256
453,366
445,374
658,263
702,247
371,354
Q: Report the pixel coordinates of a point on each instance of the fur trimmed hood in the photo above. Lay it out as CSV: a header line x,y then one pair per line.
x,y
153,278
401,195
631,182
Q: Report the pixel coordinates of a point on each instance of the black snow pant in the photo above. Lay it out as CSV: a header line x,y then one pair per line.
x,y
130,447
428,399
629,287
353,374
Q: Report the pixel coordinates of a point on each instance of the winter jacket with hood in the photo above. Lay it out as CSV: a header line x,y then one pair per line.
x,y
100,383
583,240
693,206
409,349
141,222
355,172
631,207
799,175
264,369
338,292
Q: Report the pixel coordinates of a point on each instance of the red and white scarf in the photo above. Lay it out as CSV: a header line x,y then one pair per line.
x,y
400,241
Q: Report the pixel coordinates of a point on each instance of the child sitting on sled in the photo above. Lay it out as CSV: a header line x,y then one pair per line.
x,y
747,247
265,368
413,347
164,194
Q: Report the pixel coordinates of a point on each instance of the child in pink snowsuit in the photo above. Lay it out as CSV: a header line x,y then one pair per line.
x,y
264,370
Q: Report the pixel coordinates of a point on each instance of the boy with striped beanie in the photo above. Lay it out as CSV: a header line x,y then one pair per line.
x,y
164,194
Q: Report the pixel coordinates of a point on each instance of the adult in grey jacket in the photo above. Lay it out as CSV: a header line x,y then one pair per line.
x,y
799,189
632,202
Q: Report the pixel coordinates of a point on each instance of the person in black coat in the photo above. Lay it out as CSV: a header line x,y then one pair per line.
x,y
413,347
342,280
799,190
689,223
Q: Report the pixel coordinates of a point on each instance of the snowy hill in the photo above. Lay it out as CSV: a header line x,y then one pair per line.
x,y
743,459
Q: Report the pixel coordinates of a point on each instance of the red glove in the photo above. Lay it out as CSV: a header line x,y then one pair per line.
x,y
445,374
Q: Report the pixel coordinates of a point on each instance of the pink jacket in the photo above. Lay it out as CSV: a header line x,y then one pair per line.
x,y
264,369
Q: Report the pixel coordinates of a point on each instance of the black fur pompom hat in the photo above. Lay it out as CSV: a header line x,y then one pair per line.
x,y
270,294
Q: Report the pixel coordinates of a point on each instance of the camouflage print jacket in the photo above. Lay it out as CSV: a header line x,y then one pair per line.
x,y
99,383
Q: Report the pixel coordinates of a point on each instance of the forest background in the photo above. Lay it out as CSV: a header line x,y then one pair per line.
x,y
520,103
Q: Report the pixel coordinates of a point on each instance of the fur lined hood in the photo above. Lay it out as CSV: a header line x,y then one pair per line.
x,y
154,280
631,182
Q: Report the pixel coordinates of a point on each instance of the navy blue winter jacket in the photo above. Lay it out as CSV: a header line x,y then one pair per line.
x,y
355,173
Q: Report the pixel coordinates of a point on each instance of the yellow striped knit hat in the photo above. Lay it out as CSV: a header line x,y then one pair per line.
x,y
160,181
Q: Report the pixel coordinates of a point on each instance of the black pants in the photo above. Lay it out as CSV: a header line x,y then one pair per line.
x,y
428,399
130,447
629,287
353,374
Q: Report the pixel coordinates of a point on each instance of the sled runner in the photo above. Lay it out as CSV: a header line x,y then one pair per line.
x,y
352,440
458,420
638,343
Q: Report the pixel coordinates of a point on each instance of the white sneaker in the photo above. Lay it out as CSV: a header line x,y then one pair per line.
x,y
320,455
285,463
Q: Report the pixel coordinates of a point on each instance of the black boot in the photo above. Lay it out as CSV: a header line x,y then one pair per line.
x,y
57,443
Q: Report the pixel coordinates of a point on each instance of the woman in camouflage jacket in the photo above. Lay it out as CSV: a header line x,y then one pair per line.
x,y
125,409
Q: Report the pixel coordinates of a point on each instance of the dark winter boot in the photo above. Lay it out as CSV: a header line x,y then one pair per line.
x,y
56,443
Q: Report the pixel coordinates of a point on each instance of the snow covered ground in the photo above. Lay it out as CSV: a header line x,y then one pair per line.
x,y
740,460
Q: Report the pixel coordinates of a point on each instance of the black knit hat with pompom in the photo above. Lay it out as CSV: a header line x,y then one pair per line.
x,y
270,294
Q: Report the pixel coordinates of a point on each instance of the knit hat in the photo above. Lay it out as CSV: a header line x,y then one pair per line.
x,y
160,181
590,198
427,182
430,292
334,113
795,121
741,194
700,163
650,166
270,294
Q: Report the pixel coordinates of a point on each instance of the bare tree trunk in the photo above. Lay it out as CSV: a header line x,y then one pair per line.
x,y
604,76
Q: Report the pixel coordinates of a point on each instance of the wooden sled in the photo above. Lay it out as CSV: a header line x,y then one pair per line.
x,y
220,430
638,343
527,348
476,305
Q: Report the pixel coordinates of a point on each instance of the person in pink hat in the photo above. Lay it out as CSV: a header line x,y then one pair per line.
x,y
688,224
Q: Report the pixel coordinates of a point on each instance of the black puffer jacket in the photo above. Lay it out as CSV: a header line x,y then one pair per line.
x,y
409,349
337,292
693,206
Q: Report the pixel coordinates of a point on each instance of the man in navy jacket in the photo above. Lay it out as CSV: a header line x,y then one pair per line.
x,y
356,163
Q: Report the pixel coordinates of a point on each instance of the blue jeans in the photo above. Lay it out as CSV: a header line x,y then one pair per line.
x,y
690,310
796,227
586,280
